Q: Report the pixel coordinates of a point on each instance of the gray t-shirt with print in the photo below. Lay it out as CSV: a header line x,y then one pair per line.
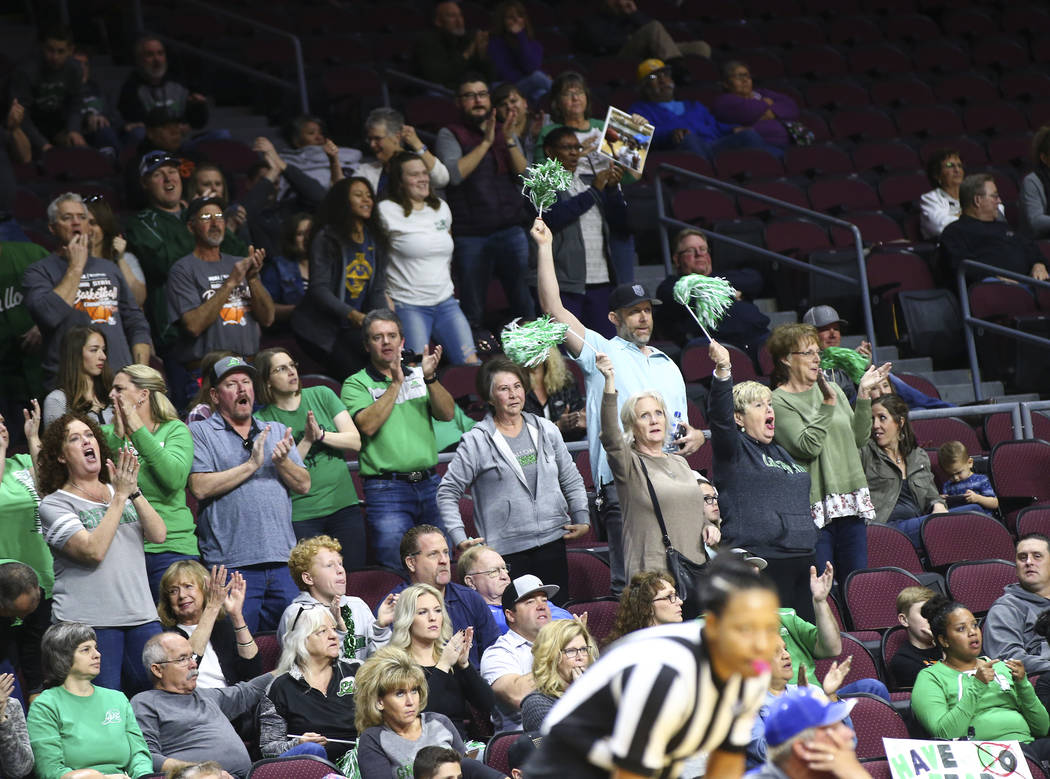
x,y
191,282
524,450
114,593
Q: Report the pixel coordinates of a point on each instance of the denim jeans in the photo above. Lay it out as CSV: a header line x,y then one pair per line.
x,y
157,563
347,526
844,543
306,748
395,506
121,650
870,686
476,257
447,324
269,591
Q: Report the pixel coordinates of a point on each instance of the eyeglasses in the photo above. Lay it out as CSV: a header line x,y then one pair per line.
x,y
96,198
711,500
693,252
304,607
492,573
573,93
211,217
571,148
992,195
572,652
950,165
474,95
656,74
286,368
671,597
809,354
182,661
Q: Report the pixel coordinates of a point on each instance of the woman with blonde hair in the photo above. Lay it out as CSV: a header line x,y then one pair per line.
x,y
145,419
554,395
423,629
563,651
392,694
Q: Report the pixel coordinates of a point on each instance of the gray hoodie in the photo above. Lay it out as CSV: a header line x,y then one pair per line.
x,y
506,512
1009,629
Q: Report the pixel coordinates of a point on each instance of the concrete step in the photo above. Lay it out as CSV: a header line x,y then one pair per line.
x,y
781,318
963,393
920,365
956,376
886,354
1021,397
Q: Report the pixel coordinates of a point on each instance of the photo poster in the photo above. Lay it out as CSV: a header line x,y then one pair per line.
x,y
626,140
915,759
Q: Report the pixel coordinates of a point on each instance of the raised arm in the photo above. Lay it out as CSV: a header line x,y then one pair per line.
x,y
829,640
547,285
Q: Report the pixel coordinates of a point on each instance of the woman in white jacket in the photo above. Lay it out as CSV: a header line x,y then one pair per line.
x,y
528,495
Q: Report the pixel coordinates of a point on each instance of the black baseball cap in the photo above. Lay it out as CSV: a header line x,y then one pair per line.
x,y
198,203
627,295
157,159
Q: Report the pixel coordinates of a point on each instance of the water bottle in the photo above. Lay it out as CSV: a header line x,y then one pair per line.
x,y
674,432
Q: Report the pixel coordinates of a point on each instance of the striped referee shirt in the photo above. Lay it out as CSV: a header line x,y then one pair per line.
x,y
650,703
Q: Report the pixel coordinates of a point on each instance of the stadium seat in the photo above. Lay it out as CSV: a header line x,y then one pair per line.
x,y
931,433
996,301
878,60
873,720
601,615
941,55
929,121
885,156
1034,519
781,189
889,547
876,228
76,163
994,119
817,160
1019,471
1001,54
372,584
832,95
998,428
233,157
878,769
747,164
965,88
835,195
921,383
797,237
905,90
863,665
863,124
589,575
870,594
978,583
297,767
703,206
269,649
892,640
497,749
952,538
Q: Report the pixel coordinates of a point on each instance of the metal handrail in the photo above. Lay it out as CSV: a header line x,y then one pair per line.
x,y
1027,407
858,243
408,78
970,322
259,75
981,410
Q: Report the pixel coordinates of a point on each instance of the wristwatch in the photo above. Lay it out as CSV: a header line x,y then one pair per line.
x,y
421,150
512,143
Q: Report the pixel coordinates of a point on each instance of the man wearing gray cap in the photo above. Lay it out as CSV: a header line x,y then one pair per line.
x,y
829,330
638,366
507,664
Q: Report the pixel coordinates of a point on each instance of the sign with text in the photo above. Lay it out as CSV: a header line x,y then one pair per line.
x,y
914,759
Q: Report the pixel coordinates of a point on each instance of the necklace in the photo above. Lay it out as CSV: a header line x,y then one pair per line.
x,y
89,494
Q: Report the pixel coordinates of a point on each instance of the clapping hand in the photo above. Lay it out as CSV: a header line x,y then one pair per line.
x,y
431,360
871,379
283,447
836,675
820,586
124,476
32,420
236,591
259,447
7,686
385,613
218,587
312,432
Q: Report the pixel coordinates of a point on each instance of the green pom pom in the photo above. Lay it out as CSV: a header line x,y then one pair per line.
x,y
708,298
528,344
543,182
852,362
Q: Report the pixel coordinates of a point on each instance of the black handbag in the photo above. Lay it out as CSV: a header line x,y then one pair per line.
x,y
687,575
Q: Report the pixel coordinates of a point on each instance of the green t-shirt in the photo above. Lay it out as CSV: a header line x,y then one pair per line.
x,y
405,442
160,239
20,537
331,487
165,458
801,640
72,732
21,376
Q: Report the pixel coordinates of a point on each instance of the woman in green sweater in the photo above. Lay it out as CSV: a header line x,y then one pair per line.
x,y
817,427
966,695
78,730
324,432
145,418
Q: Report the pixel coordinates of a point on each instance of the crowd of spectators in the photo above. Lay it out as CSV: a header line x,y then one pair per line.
x,y
183,492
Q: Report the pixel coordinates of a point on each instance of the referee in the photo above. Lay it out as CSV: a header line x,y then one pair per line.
x,y
659,696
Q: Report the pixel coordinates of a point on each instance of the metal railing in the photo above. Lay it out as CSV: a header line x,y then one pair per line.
x,y
970,322
298,85
981,410
858,244
1027,407
389,74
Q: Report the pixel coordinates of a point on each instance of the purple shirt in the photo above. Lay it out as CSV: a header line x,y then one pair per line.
x,y
745,111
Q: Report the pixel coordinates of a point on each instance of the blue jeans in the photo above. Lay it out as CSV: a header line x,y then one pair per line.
x,y
870,686
913,525
269,591
347,526
447,324
157,563
121,650
395,506
745,139
306,748
844,543
505,252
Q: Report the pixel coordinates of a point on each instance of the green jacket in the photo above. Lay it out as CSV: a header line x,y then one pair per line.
x,y
160,239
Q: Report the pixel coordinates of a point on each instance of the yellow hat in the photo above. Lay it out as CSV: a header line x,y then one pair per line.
x,y
649,67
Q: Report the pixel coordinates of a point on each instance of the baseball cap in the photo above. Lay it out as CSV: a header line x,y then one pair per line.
x,y
650,66
229,365
198,203
627,295
157,159
800,709
160,116
822,316
749,558
524,586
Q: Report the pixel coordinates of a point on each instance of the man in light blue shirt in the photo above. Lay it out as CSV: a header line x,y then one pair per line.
x,y
638,367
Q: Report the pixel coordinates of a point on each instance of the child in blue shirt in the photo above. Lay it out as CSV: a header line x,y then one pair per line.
x,y
975,487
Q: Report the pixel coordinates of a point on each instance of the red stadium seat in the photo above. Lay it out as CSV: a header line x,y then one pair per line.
x,y
589,575
978,583
297,767
372,584
952,538
873,720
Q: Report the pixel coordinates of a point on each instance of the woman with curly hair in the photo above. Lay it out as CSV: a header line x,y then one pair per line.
x,y
423,629
84,377
649,599
562,652
95,519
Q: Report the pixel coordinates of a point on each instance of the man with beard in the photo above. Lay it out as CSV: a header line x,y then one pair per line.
x,y
446,51
216,300
241,473
638,367
184,724
484,162
70,287
151,86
